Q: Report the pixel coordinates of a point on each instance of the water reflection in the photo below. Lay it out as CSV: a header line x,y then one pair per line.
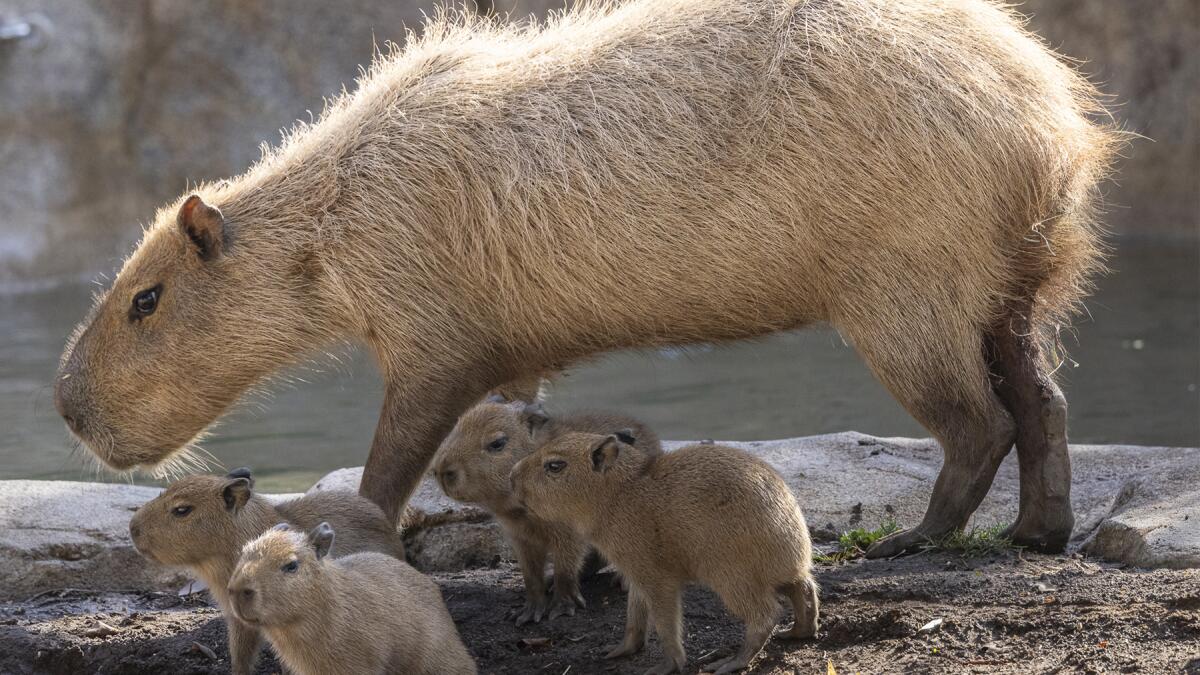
x,y
1136,382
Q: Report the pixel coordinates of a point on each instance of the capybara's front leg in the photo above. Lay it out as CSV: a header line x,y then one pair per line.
x,y
532,558
637,618
244,643
568,557
665,602
413,422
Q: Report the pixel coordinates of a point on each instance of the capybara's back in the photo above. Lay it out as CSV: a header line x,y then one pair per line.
x,y
360,524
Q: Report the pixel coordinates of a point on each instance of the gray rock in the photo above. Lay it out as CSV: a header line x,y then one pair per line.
x,y
61,534
1152,518
1134,505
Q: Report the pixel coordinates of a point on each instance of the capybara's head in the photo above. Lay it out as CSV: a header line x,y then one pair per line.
x,y
195,519
276,579
566,478
193,319
474,461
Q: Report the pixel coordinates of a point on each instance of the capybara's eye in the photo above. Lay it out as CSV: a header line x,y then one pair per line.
x,y
146,302
555,466
181,510
498,444
291,566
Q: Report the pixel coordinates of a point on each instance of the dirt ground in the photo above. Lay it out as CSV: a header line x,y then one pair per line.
x,y
1008,613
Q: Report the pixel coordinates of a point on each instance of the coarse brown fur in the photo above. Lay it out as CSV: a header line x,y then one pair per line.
x,y
223,513
473,465
705,513
493,201
363,613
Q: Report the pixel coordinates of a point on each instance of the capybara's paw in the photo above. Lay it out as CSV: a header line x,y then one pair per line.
x,y
627,648
665,667
562,606
904,541
532,612
1040,536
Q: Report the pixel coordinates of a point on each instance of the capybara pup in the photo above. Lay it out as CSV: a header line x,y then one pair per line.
x,y
201,522
363,613
474,463
705,513
493,200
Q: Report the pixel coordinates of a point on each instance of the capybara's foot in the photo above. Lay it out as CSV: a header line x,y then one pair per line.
x,y
626,648
732,664
532,612
665,667
1043,534
564,607
904,541
565,604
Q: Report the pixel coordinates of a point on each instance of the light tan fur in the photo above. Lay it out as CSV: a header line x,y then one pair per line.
x,y
493,201
473,465
363,613
224,514
704,513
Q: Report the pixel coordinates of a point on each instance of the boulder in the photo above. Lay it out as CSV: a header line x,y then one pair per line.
x,y
63,534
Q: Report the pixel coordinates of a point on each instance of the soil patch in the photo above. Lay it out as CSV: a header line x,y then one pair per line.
x,y
1009,613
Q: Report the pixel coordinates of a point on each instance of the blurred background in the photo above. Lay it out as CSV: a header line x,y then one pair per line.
x,y
108,110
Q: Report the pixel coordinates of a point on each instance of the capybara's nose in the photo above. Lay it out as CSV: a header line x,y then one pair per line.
x,y
66,397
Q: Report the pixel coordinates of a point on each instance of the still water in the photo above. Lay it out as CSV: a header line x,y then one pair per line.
x,y
1136,380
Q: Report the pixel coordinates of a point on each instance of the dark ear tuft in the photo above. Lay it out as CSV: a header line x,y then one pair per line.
x,y
203,225
241,472
626,436
604,455
321,539
236,493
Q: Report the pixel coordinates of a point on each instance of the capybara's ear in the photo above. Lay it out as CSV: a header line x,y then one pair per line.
x,y
534,416
321,539
204,226
604,455
236,493
241,472
626,436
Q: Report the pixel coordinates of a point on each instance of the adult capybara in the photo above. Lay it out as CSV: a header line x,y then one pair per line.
x,y
493,201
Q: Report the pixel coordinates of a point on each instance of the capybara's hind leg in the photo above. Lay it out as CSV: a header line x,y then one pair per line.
x,y
1044,520
758,631
939,375
806,606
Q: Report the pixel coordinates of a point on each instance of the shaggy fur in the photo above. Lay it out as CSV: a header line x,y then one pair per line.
x,y
223,513
705,513
364,613
493,201
473,465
